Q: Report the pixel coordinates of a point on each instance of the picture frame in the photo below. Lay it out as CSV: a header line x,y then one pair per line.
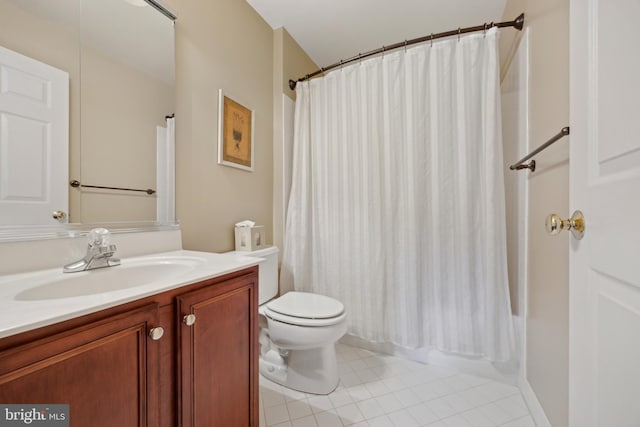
x,y
235,133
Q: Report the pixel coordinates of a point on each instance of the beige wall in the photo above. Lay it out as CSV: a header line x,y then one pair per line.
x,y
119,119
547,323
222,44
295,61
290,62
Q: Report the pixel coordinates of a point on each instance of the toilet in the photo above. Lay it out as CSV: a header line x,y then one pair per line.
x,y
298,332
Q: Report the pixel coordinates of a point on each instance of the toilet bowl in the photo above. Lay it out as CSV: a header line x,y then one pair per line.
x,y
298,332
297,347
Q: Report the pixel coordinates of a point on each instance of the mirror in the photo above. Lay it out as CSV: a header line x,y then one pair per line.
x,y
119,58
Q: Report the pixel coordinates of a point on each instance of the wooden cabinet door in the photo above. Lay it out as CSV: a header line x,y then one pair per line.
x,y
107,371
217,355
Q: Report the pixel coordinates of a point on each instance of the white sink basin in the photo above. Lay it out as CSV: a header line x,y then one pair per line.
x,y
130,274
43,297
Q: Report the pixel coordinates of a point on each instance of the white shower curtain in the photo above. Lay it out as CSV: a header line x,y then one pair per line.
x,y
397,199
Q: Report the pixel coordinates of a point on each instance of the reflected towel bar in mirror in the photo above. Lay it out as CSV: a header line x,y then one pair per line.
x,y
76,184
520,164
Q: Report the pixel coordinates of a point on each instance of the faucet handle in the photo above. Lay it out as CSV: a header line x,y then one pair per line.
x,y
99,237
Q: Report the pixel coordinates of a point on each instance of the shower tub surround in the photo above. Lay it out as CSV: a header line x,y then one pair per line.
x,y
379,390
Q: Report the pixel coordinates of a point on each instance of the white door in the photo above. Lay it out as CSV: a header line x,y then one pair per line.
x,y
604,377
34,140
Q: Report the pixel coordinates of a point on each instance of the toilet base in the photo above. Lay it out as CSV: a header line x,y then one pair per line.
x,y
311,371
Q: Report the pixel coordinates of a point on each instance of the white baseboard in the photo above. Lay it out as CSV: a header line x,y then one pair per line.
x,y
530,398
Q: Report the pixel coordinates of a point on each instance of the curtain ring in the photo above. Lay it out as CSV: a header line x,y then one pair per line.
x,y
405,45
485,29
383,51
458,33
431,39
341,65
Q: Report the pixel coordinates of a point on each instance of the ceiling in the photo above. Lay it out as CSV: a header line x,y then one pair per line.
x,y
331,30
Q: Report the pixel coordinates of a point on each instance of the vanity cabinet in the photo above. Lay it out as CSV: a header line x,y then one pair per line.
x,y
112,371
218,362
105,370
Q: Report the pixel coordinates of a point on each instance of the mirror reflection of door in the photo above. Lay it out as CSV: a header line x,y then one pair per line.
x,y
119,56
34,141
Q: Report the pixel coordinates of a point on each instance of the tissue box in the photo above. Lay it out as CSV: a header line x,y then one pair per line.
x,y
250,238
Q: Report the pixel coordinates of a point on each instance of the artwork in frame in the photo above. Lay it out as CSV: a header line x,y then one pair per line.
x,y
235,133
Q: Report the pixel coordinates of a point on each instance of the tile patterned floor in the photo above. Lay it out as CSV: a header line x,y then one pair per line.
x,y
384,391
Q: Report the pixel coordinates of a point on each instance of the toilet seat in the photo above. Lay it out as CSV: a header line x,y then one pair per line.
x,y
302,321
305,309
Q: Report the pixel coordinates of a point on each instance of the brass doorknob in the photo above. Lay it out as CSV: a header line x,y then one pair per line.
x,y
554,224
59,215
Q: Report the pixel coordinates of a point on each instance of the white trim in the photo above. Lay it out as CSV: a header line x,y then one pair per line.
x,y
165,172
524,288
535,408
288,111
516,85
65,231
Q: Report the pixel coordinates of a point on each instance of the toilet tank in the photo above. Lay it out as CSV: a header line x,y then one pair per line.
x,y
267,273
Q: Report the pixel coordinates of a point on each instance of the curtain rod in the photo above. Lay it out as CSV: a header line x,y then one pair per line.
x,y
517,23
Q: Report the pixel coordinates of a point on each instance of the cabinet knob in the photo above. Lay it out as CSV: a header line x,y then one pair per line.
x,y
156,333
189,319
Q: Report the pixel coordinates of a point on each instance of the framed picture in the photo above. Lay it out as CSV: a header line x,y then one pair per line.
x,y
235,133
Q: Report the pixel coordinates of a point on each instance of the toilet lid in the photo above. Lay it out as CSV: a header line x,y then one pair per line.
x,y
306,305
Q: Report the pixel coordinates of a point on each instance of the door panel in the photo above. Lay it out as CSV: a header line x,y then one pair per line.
x,y
218,355
618,328
34,140
105,371
605,185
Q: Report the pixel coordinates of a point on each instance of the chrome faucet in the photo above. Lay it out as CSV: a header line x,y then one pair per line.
x,y
99,253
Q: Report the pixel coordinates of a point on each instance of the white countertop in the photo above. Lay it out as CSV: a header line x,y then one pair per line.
x,y
40,298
